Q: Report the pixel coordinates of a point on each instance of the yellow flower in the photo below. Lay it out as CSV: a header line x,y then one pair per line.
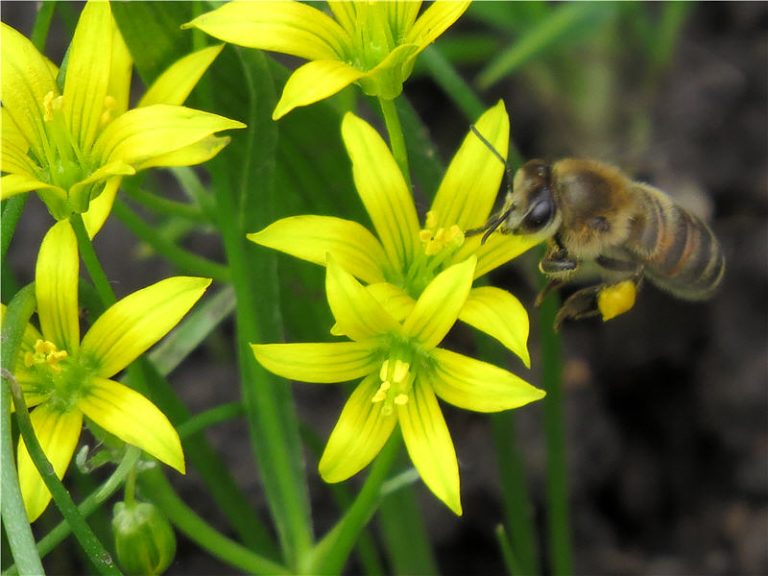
x,y
403,373
66,378
74,145
402,258
373,44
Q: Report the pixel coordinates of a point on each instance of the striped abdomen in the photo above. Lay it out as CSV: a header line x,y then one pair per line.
x,y
680,252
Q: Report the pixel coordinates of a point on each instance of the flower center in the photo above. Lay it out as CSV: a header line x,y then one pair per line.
x,y
396,378
46,353
439,244
437,240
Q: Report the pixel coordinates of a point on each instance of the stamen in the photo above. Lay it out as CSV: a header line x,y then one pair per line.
x,y
401,399
435,239
45,353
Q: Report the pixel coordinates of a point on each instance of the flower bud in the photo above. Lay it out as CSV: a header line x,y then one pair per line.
x,y
144,539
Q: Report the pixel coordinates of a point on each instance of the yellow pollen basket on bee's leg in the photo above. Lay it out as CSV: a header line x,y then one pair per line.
x,y
616,299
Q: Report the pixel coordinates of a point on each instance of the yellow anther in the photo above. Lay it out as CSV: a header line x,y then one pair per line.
x,y
401,370
437,239
48,106
380,396
384,371
401,399
45,353
430,222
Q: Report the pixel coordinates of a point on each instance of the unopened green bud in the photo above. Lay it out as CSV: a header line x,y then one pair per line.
x,y
144,539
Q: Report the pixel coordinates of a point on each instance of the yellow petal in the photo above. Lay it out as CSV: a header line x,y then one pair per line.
x,y
439,305
499,314
478,386
120,71
312,237
394,300
383,190
315,81
129,327
430,446
402,16
88,72
58,433
27,77
323,363
197,153
142,134
498,250
13,184
358,314
435,20
174,85
287,27
101,206
56,279
15,147
134,419
359,435
471,183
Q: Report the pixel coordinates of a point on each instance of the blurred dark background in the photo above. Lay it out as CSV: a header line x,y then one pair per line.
x,y
667,406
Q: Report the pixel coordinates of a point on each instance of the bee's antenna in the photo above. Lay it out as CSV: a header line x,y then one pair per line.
x,y
497,220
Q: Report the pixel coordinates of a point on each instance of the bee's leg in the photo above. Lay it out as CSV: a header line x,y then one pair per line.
x,y
553,284
558,265
580,304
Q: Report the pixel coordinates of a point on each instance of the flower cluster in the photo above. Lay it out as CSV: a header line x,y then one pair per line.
x,y
74,145
372,44
418,283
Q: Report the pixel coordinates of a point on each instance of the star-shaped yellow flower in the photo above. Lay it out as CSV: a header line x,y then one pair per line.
x,y
74,145
403,373
66,378
402,258
373,44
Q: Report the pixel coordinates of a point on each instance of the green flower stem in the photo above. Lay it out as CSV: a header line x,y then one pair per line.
x,y
200,532
90,504
396,138
12,211
404,534
462,94
91,545
517,505
557,471
200,453
210,417
446,76
332,552
510,560
187,262
161,205
15,524
366,549
86,507
42,25
217,477
92,264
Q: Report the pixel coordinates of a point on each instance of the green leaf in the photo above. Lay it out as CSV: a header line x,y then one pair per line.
x,y
569,22
243,182
152,31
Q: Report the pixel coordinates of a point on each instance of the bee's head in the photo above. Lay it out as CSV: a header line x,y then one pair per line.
x,y
531,208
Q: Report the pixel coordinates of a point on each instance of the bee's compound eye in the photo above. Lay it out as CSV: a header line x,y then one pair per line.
x,y
539,215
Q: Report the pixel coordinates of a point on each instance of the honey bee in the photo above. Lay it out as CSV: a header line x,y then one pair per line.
x,y
593,216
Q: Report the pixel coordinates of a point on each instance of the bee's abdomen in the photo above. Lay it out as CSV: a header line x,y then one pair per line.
x,y
683,255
